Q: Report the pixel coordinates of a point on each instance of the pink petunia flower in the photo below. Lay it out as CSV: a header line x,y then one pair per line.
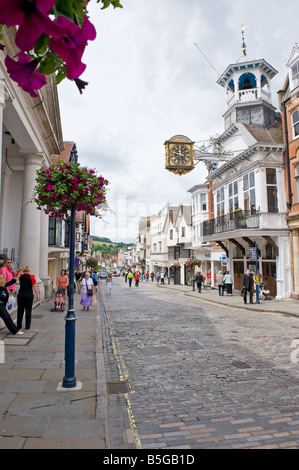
x,y
24,72
71,47
32,17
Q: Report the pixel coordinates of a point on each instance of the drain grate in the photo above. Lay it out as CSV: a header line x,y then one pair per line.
x,y
114,388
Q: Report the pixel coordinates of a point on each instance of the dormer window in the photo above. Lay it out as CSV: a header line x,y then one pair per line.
x,y
295,74
295,121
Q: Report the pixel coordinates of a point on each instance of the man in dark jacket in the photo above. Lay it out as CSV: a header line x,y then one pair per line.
x,y
247,283
199,280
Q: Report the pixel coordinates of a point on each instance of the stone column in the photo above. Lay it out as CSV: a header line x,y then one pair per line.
x,y
30,220
43,270
212,274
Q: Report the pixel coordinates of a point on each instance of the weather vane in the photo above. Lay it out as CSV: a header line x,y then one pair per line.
x,y
243,27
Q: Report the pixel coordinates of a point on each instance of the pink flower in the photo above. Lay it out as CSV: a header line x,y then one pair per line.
x,y
71,47
33,19
25,74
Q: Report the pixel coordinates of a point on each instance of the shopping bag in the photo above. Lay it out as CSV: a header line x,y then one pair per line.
x,y
11,302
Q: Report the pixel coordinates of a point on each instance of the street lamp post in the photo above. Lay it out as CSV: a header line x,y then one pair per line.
x,y
193,275
256,273
69,380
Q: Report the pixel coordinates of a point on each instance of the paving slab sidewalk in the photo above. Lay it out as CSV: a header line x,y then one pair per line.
x,y
34,412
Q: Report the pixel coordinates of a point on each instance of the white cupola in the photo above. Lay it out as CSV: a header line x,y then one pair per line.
x,y
248,92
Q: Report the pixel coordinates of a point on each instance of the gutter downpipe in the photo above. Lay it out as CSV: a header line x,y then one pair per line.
x,y
290,194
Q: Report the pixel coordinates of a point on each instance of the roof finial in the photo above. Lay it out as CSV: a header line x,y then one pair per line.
x,y
243,27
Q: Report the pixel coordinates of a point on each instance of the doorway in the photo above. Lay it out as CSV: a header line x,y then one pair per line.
x,y
238,274
177,275
269,276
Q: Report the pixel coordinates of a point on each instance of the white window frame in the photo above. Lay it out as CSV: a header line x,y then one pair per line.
x,y
295,74
297,182
295,124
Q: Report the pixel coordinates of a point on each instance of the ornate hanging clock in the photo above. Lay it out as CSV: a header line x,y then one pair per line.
x,y
179,155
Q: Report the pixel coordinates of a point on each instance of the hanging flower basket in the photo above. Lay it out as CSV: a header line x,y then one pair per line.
x,y
191,263
65,185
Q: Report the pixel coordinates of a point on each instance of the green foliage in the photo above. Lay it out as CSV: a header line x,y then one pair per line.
x,y
92,262
64,185
106,247
107,3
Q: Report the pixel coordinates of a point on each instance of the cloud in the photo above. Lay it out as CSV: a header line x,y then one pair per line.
x,y
149,82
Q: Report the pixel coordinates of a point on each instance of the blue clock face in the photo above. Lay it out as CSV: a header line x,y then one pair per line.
x,y
180,154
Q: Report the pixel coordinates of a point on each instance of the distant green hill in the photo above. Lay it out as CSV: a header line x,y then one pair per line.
x,y
100,239
106,246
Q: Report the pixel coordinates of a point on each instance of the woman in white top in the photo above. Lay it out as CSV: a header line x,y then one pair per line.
x,y
86,284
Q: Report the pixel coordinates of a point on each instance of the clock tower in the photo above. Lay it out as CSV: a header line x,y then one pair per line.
x,y
248,92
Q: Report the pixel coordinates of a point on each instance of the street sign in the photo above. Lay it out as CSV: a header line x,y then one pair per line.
x,y
252,252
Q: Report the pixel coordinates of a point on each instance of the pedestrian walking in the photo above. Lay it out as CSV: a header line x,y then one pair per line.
x,y
62,282
247,283
86,291
130,277
4,294
78,278
109,283
95,278
158,277
220,283
9,274
162,277
136,277
228,282
199,280
152,276
25,297
147,276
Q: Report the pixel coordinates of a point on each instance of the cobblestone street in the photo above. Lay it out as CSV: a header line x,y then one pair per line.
x,y
197,375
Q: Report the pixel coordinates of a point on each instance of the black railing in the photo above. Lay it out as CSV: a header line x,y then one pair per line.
x,y
237,220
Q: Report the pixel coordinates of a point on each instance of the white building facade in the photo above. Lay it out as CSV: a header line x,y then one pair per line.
x,y
212,257
249,194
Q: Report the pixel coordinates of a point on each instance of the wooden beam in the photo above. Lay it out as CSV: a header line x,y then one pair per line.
x,y
223,247
235,242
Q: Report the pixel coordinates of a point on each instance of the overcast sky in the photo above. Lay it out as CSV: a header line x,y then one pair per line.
x,y
149,82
